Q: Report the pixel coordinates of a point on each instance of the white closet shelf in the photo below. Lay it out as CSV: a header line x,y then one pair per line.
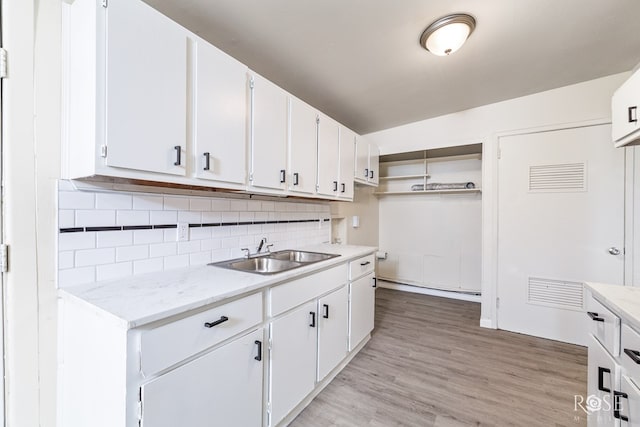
x,y
402,193
393,177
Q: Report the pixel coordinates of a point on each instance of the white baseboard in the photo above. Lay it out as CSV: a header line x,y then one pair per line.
x,y
427,291
487,323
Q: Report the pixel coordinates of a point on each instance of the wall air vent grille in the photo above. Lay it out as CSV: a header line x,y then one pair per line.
x,y
555,293
568,177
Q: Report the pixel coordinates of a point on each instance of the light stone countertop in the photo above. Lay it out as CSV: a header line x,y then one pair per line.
x,y
623,300
137,300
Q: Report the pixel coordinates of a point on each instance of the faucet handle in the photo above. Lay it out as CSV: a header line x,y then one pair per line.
x,y
248,251
268,247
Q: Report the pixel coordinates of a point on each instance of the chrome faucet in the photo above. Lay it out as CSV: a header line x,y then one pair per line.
x,y
262,242
248,254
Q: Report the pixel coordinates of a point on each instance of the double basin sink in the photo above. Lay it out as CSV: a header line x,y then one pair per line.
x,y
275,262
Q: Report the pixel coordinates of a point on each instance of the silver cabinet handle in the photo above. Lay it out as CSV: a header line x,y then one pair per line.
x,y
614,251
178,155
207,161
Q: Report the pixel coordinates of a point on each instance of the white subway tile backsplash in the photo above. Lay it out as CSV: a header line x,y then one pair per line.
x,y
112,239
71,241
113,201
95,218
149,203
100,254
114,271
163,249
128,253
88,257
76,200
133,218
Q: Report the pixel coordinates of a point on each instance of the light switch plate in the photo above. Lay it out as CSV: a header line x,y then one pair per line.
x,y
183,231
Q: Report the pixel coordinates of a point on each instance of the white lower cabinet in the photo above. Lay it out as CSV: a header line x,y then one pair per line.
x,y
362,295
629,402
332,330
293,359
602,379
221,388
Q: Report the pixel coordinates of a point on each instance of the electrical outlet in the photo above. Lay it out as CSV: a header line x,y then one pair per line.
x,y
183,231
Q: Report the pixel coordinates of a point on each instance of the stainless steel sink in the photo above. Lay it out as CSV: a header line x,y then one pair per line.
x,y
301,256
275,262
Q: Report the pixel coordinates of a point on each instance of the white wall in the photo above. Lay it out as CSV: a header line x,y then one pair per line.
x,y
577,103
365,206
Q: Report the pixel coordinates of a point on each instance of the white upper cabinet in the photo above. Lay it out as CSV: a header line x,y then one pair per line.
x,y
221,111
367,162
146,89
328,151
303,147
269,118
347,148
624,112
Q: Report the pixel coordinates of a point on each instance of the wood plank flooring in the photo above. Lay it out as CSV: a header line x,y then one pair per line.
x,y
430,364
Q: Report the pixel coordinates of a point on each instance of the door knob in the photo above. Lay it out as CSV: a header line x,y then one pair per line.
x,y
614,251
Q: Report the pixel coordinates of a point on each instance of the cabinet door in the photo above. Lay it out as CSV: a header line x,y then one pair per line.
x,y
629,402
269,111
361,172
362,299
303,147
333,330
220,92
223,388
146,89
602,375
347,152
328,152
624,108
374,164
293,359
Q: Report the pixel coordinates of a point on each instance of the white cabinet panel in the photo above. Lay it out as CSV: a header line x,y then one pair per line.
x,y
332,330
362,160
362,309
223,388
328,149
602,378
347,153
374,162
146,89
624,109
269,112
220,115
303,147
293,359
629,403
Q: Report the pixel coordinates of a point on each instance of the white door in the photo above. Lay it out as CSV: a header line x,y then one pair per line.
x,y
602,380
303,147
146,90
221,115
333,330
328,152
362,160
269,114
561,223
222,388
362,309
293,359
374,162
347,153
629,402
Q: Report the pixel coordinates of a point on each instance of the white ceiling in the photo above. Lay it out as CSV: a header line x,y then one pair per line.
x,y
360,61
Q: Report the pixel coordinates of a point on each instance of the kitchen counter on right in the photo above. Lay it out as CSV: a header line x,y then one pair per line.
x,y
625,300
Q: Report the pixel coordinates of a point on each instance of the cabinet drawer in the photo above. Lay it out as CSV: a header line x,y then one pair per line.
x,y
605,326
296,292
630,353
168,344
361,266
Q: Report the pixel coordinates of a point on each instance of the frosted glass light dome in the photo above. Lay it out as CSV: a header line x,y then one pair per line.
x,y
447,34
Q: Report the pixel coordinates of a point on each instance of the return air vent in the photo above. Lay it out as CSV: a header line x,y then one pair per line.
x,y
568,177
555,293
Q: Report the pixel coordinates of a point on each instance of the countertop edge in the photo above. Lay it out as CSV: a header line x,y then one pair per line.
x,y
611,296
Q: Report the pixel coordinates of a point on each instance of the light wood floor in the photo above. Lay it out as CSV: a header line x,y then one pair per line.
x,y
430,364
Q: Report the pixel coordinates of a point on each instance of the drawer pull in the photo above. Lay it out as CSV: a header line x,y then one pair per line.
x,y
633,355
313,319
616,405
259,356
326,311
217,322
365,263
601,386
375,282
594,316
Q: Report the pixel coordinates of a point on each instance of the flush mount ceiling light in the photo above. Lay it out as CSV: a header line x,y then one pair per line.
x,y
448,34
